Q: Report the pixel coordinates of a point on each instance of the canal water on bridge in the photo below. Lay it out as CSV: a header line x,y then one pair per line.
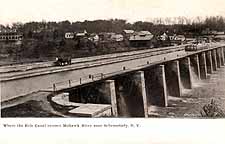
x,y
192,101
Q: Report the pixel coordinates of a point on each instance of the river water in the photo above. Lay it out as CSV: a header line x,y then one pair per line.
x,y
192,101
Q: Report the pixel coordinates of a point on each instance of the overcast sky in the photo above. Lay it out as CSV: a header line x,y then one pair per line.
x,y
131,10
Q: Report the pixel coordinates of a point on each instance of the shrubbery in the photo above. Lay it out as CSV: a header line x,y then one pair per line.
x,y
212,110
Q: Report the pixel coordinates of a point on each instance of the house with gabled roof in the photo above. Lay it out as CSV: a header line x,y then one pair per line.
x,y
127,33
141,39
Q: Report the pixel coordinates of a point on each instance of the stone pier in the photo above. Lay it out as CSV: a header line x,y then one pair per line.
x,y
214,60
173,82
156,89
222,56
109,95
203,66
209,62
185,73
195,65
218,57
131,95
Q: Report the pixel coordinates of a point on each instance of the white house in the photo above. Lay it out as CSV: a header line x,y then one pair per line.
x,y
180,38
81,34
164,37
94,37
69,35
128,31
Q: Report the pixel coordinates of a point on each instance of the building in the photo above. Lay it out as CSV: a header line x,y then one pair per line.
x,y
141,39
94,37
213,35
145,33
127,33
164,37
219,38
180,38
172,36
69,35
10,36
220,33
212,32
81,34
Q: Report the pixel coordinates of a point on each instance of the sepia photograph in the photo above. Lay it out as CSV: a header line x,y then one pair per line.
x,y
114,60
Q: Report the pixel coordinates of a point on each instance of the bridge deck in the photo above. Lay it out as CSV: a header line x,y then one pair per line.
x,y
39,65
82,63
157,60
88,71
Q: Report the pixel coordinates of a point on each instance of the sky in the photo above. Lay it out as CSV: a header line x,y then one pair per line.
x,y
80,10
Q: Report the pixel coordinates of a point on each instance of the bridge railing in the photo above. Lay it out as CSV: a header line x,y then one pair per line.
x,y
71,83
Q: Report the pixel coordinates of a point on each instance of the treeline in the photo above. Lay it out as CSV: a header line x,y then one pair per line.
x,y
181,25
46,39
